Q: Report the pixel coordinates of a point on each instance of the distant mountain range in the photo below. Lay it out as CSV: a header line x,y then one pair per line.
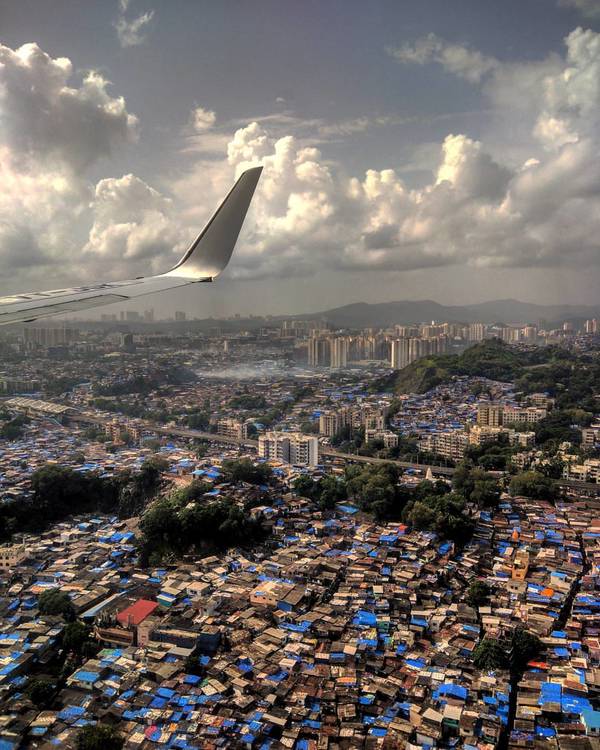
x,y
509,311
380,315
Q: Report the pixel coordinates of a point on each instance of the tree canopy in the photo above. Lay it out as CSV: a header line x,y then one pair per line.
x,y
56,602
99,737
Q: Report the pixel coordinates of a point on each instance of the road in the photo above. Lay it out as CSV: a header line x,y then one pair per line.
x,y
440,471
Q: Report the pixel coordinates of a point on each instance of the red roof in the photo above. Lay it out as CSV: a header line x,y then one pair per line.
x,y
137,612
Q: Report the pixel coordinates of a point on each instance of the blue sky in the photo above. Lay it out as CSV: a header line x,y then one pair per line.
x,y
422,149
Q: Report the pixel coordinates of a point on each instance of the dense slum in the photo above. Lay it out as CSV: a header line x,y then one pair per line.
x,y
339,633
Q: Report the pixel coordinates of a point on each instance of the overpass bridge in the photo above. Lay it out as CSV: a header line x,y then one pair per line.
x,y
588,488
186,432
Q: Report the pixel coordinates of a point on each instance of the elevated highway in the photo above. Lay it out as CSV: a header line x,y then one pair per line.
x,y
439,471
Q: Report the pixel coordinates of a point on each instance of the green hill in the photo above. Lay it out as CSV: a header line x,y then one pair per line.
x,y
532,369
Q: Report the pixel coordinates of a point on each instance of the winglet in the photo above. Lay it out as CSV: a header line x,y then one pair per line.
x,y
211,250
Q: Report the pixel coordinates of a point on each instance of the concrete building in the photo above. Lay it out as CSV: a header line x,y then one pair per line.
x,y
318,352
389,438
590,436
528,415
290,448
477,331
11,555
400,353
452,444
338,353
329,424
489,414
231,428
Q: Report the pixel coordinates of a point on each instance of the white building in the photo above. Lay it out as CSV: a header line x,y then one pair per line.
x,y
290,448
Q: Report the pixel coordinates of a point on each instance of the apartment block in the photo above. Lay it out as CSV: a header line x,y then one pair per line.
x,y
290,448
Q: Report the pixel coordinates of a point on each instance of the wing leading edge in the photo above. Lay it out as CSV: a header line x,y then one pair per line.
x,y
204,261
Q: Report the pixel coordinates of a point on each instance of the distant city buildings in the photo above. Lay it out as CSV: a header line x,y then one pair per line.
x,y
404,351
47,337
591,326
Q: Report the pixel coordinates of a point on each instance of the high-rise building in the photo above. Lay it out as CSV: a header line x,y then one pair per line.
x,y
318,351
477,331
231,428
180,315
591,326
50,336
451,444
529,415
510,335
339,352
400,353
329,424
529,333
289,447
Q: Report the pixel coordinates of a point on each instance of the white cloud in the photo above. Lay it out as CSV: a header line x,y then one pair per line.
x,y
131,32
45,118
51,131
202,119
478,209
588,8
132,222
455,58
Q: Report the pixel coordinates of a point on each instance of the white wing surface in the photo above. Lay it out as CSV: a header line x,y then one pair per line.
x,y
206,258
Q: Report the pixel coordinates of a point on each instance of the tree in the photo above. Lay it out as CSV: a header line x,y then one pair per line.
x,y
533,484
55,602
305,486
40,692
77,638
11,430
245,470
490,655
99,737
444,514
198,421
476,485
478,593
525,647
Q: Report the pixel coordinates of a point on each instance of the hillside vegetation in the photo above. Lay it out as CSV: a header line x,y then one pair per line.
x,y
571,378
551,369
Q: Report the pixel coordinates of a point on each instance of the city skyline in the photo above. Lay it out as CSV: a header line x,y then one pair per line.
x,y
451,155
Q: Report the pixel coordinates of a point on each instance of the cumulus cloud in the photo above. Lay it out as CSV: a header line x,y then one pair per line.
x,y
45,118
202,120
456,58
479,208
51,131
132,221
131,32
588,8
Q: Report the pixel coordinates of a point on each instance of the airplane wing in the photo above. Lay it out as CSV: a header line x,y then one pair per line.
x,y
206,258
